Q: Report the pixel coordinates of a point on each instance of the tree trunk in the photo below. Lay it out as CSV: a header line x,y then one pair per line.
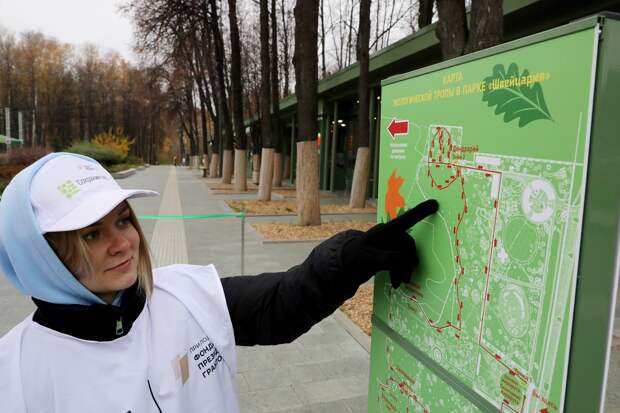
x,y
360,174
322,14
227,168
426,13
277,169
266,175
287,167
255,168
266,169
452,27
237,98
308,205
205,163
214,166
240,171
360,178
306,71
275,100
487,25
285,43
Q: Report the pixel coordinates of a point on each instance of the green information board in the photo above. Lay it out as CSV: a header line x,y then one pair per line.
x,y
501,141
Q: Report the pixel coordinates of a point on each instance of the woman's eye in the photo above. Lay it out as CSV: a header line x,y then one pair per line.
x,y
89,236
123,222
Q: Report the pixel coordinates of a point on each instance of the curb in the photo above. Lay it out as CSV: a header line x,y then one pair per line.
x,y
292,241
123,174
353,330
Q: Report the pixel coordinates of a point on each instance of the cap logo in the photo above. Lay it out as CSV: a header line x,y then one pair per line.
x,y
87,167
68,189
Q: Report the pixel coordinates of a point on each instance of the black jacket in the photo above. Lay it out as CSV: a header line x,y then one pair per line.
x,y
269,308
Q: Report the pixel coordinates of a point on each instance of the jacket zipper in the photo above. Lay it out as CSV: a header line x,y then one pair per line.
x,y
119,326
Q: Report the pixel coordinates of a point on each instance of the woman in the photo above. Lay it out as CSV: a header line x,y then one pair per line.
x,y
112,335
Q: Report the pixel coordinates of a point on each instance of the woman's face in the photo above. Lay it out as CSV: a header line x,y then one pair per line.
x,y
113,250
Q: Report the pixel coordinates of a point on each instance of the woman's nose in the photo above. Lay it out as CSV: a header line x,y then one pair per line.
x,y
118,243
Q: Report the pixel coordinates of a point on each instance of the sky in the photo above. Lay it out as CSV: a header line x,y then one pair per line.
x,y
71,21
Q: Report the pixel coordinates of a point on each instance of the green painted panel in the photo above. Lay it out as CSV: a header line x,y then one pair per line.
x,y
501,142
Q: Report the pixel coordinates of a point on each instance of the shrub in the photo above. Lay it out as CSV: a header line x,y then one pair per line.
x,y
114,140
134,160
7,172
104,155
25,155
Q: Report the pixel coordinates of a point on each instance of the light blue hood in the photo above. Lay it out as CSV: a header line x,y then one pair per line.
x,y
26,258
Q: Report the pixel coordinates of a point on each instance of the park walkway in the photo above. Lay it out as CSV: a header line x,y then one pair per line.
x,y
326,370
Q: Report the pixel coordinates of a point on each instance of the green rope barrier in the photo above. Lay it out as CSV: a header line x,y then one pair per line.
x,y
240,215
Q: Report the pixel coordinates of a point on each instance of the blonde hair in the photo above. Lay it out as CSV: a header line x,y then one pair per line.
x,y
73,251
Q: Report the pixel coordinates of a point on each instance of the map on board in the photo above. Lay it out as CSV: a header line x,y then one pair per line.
x,y
501,142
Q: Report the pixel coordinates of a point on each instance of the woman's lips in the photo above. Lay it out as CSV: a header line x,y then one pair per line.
x,y
122,267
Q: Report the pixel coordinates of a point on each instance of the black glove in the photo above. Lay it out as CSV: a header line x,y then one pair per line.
x,y
387,247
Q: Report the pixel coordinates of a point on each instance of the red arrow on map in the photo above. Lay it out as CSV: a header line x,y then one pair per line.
x,y
545,410
398,127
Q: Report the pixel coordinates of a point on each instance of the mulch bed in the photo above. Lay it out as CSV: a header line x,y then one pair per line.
x,y
287,207
276,231
359,308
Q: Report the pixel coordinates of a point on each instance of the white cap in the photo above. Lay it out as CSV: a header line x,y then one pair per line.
x,y
70,192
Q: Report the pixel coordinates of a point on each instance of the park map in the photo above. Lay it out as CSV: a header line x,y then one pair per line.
x,y
501,142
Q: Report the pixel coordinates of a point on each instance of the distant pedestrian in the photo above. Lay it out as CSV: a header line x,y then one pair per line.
x,y
110,334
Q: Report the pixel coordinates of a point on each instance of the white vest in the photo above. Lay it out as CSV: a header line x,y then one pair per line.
x,y
178,357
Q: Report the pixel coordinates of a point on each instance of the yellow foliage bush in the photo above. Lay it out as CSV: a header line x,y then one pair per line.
x,y
114,140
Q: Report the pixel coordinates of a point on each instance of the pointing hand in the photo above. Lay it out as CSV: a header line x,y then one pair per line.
x,y
387,247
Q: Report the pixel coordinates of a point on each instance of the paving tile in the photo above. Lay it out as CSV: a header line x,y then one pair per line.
x,y
272,400
256,359
330,407
332,390
286,375
314,354
358,404
350,366
241,384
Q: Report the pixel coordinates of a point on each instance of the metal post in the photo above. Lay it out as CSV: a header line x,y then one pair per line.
x,y
325,146
7,119
332,172
242,243
293,147
377,133
20,127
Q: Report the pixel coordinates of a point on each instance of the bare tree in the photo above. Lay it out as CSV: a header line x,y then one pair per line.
x,y
306,76
222,100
